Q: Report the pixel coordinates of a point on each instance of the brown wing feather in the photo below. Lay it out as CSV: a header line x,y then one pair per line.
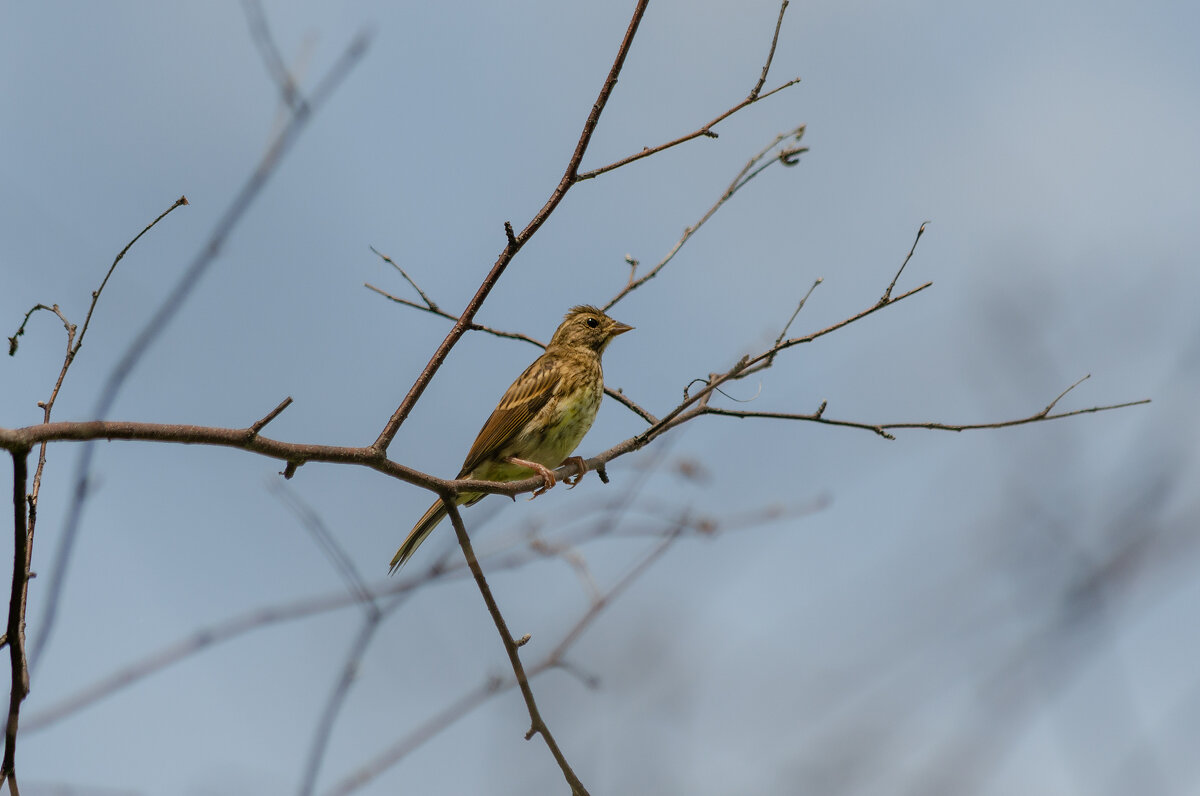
x,y
523,399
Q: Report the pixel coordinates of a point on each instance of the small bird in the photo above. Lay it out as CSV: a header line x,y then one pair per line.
x,y
540,419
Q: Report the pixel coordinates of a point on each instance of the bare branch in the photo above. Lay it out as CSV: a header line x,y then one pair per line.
x,y
882,428
435,310
747,173
705,130
771,53
783,332
887,294
70,327
429,305
537,724
15,634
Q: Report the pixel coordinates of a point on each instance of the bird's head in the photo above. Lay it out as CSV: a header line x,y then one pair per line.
x,y
587,327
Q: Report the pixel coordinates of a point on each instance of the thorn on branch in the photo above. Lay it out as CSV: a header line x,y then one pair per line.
x,y
511,235
820,409
290,469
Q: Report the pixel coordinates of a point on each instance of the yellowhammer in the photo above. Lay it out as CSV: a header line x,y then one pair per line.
x,y
541,418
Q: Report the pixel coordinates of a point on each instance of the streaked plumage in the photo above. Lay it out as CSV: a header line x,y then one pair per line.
x,y
539,420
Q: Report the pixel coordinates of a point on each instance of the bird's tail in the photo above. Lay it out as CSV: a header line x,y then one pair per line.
x,y
419,533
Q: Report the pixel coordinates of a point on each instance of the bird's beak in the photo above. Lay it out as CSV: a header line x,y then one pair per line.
x,y
619,328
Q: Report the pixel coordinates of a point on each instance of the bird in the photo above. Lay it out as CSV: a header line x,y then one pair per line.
x,y
540,419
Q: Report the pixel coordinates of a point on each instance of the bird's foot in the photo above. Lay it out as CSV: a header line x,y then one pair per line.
x,y
548,479
581,465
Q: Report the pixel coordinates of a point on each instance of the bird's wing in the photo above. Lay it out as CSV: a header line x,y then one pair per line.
x,y
524,399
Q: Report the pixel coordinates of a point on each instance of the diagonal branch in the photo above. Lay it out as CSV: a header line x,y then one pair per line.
x,y
514,242
786,156
511,646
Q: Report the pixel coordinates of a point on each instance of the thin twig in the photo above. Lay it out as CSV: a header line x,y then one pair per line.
x,y
744,176
705,130
887,294
783,332
433,309
274,413
428,301
762,79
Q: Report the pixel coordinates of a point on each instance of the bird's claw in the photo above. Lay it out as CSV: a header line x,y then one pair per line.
x,y
573,480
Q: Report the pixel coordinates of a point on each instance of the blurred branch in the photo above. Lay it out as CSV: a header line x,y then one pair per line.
x,y
166,311
393,590
492,686
373,615
260,33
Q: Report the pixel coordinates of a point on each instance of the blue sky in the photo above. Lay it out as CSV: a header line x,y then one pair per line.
x,y
925,629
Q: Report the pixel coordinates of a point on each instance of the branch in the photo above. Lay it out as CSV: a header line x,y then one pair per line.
x,y
786,156
15,635
260,33
537,724
705,130
514,242
887,294
882,428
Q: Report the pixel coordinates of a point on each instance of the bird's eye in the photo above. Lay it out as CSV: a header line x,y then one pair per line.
x,y
593,322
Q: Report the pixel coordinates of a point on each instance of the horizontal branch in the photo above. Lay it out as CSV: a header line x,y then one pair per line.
x,y
882,429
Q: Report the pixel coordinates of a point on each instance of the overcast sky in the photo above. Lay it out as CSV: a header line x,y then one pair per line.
x,y
995,612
